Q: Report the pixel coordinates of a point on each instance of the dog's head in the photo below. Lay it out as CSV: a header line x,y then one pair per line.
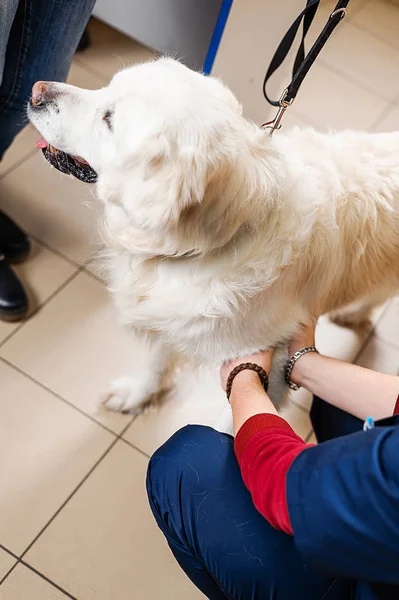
x,y
177,164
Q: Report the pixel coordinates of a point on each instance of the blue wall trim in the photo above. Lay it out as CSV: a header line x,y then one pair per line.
x,y
217,35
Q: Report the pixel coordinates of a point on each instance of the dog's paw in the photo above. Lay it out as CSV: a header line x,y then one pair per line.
x,y
129,395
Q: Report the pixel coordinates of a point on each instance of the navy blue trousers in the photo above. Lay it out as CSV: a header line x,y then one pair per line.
x,y
347,546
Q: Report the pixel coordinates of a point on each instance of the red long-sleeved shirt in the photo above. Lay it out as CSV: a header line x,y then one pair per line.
x,y
266,447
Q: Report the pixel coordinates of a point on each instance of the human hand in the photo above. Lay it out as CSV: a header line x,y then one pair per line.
x,y
263,358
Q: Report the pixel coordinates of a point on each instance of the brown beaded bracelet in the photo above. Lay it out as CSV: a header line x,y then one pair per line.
x,y
250,367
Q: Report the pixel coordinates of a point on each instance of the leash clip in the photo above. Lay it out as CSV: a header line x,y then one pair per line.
x,y
276,123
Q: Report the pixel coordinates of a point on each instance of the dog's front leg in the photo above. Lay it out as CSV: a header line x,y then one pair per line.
x,y
145,386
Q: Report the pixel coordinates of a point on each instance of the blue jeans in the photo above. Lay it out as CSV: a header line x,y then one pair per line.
x,y
224,545
38,39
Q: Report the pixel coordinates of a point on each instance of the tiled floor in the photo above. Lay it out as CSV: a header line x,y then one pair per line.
x,y
75,521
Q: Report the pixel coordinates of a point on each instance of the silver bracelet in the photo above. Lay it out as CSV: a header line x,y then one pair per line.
x,y
291,364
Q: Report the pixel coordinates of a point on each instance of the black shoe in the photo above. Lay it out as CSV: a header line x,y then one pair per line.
x,y
13,298
14,243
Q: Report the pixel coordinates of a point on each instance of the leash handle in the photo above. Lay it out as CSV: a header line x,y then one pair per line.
x,y
302,63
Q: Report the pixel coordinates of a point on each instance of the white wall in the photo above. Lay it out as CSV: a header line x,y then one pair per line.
x,y
182,27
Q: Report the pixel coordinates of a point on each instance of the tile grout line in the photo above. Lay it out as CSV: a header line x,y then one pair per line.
x,y
372,34
50,581
9,572
391,106
42,305
130,443
86,67
369,335
77,488
380,338
64,284
28,566
17,164
58,396
9,552
71,495
19,560
47,246
357,82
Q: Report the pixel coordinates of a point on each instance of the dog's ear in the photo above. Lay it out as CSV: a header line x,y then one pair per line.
x,y
146,195
172,198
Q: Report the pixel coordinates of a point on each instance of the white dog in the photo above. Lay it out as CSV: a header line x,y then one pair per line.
x,y
220,239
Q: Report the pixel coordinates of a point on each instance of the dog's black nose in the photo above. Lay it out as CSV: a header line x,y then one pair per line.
x,y
41,93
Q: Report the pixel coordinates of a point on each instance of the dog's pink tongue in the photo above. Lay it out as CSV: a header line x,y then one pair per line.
x,y
41,144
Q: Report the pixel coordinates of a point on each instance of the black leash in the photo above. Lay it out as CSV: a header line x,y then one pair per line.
x,y
302,63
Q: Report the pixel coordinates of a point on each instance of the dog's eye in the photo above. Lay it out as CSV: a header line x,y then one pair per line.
x,y
107,118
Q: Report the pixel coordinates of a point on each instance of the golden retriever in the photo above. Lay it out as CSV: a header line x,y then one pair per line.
x,y
221,239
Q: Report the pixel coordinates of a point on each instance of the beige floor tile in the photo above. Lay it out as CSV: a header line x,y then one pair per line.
x,y
24,584
380,356
20,149
387,327
312,439
198,400
111,50
324,11
75,347
298,419
105,543
388,121
56,209
41,275
81,76
331,101
47,447
6,562
378,72
302,398
340,342
381,19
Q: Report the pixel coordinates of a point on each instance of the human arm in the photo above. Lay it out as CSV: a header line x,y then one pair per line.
x,y
356,390
266,446
255,416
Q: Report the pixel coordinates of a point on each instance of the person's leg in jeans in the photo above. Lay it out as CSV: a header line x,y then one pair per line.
x,y
216,534
41,43
37,41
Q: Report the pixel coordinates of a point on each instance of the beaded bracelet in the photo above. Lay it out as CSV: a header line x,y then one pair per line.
x,y
250,367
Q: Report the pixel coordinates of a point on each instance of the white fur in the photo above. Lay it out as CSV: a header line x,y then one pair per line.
x,y
220,239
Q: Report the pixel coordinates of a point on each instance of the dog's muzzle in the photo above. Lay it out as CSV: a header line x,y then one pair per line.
x,y
44,93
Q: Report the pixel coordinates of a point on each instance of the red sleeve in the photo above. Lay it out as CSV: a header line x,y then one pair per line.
x,y
266,447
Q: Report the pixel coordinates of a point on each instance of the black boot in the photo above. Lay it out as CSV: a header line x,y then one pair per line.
x,y
14,243
13,298
14,247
